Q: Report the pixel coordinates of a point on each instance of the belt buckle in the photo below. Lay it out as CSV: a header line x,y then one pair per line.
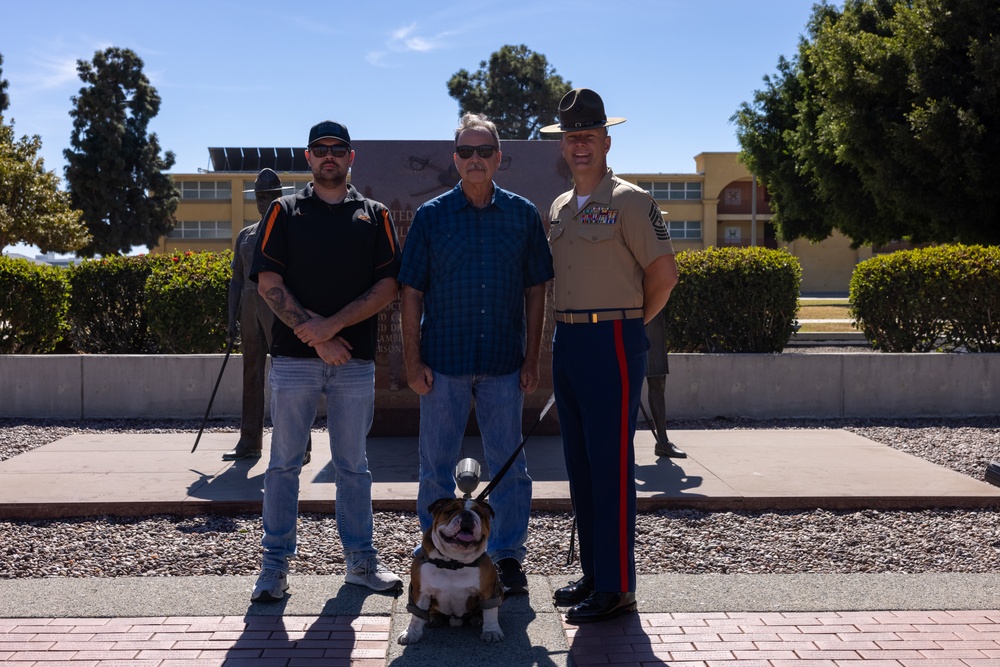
x,y
593,318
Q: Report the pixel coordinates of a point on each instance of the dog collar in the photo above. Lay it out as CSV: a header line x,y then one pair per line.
x,y
450,564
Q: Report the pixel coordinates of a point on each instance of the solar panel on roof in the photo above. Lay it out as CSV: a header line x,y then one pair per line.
x,y
218,157
283,159
299,162
252,159
234,159
268,158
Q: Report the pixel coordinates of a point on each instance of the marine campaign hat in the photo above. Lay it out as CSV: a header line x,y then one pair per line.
x,y
581,109
329,129
268,181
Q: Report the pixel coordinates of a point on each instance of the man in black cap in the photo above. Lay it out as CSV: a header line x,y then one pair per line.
x,y
250,321
614,270
326,263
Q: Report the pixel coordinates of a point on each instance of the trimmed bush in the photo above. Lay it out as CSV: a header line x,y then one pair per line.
x,y
33,302
107,313
187,299
733,300
942,298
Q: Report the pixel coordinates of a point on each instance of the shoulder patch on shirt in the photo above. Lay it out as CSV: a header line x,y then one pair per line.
x,y
599,215
659,227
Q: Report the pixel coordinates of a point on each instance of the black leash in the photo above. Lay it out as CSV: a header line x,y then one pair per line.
x,y
225,360
503,471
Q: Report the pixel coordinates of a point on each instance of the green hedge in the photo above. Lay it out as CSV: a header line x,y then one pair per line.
x,y
107,313
34,299
943,298
733,300
187,302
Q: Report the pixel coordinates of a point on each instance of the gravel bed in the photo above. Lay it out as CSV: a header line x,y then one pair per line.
x,y
668,541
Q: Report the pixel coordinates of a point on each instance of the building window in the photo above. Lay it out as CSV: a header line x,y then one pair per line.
x,y
672,190
684,229
202,229
206,189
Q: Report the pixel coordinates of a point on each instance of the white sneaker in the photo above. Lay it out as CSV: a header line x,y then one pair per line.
x,y
270,587
371,573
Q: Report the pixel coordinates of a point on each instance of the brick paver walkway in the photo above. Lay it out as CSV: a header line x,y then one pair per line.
x,y
826,639
261,641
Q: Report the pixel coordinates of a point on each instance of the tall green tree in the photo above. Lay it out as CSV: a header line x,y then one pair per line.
x,y
885,125
115,172
517,89
4,97
32,208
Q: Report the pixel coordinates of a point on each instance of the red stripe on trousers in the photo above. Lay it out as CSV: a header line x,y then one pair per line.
x,y
623,458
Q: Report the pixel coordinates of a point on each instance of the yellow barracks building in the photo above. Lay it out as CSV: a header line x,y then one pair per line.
x,y
717,205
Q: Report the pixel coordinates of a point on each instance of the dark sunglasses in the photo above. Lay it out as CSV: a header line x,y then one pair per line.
x,y
484,151
320,150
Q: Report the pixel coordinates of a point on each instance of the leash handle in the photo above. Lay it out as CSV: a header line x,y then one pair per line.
x,y
503,471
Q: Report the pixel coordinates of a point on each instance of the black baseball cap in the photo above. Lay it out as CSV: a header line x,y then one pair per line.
x,y
329,129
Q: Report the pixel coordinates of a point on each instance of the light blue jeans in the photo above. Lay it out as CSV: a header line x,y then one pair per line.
x,y
444,412
296,386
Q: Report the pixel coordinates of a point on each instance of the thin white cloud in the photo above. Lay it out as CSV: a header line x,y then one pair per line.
x,y
408,39
50,72
377,58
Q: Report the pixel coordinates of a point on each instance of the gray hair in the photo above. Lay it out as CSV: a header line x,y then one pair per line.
x,y
477,121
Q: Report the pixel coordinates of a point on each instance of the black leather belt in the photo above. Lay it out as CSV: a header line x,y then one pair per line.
x,y
594,316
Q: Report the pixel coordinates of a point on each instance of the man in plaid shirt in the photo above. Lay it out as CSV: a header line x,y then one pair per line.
x,y
474,269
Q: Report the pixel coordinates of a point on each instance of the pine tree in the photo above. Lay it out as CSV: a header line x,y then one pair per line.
x,y
114,168
4,98
516,89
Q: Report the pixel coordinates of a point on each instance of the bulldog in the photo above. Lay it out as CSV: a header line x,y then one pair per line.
x,y
451,576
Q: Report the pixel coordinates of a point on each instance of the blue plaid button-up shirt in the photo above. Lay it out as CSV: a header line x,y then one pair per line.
x,y
473,266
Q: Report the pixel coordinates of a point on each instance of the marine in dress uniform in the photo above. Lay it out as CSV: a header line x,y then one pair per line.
x,y
614,270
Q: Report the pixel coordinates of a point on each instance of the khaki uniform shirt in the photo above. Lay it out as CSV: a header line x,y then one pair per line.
x,y
599,254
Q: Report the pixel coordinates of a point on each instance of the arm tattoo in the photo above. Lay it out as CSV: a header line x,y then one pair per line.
x,y
286,307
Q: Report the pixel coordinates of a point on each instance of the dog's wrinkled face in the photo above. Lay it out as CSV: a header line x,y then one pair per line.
x,y
461,527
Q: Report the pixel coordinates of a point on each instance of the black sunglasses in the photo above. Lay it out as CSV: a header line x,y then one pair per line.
x,y
320,150
484,151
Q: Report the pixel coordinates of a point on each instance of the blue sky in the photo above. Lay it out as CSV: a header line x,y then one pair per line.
x,y
258,73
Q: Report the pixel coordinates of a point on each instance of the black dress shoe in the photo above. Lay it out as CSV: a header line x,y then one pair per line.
x,y
669,450
575,593
601,606
245,449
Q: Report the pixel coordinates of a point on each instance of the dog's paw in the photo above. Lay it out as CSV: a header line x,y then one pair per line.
x,y
413,632
492,636
408,637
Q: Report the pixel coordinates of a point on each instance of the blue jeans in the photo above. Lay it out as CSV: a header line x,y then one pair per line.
x,y
444,412
296,385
